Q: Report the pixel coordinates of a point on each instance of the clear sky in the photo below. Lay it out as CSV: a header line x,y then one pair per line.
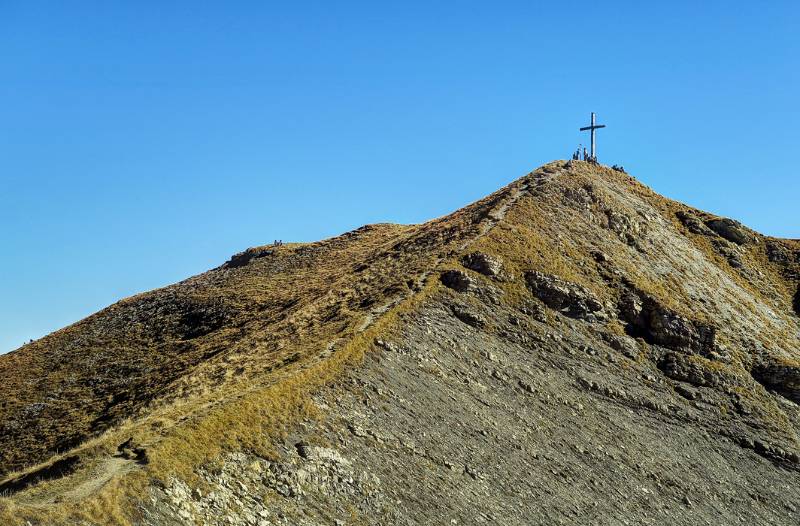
x,y
144,142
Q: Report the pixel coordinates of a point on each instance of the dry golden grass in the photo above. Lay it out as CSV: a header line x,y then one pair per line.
x,y
235,352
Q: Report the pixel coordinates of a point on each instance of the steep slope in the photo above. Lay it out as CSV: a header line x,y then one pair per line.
x,y
573,348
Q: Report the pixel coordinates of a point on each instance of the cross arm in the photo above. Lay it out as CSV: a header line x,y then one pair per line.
x,y
593,127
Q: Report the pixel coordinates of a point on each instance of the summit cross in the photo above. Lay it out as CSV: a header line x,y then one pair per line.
x,y
592,128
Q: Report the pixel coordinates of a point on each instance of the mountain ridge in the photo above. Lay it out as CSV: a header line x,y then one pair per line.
x,y
569,247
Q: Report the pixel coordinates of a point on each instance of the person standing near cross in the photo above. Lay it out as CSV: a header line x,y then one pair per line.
x,y
592,127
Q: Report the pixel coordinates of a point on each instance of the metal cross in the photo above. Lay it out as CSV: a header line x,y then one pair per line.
x,y
593,127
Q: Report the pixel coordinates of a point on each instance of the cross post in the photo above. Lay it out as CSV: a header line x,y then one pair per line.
x,y
592,128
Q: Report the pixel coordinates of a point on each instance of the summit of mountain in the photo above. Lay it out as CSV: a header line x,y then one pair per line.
x,y
573,348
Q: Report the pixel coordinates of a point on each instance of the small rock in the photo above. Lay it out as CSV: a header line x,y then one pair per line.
x,y
686,392
470,318
471,472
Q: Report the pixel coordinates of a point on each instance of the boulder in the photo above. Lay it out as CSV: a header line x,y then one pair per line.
x,y
694,224
696,371
783,378
243,258
483,264
658,325
570,298
458,281
729,251
470,318
319,454
675,331
778,253
624,344
796,301
731,230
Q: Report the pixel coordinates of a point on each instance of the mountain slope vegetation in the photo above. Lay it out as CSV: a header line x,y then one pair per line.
x,y
573,348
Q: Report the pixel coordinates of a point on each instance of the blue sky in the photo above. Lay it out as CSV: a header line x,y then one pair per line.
x,y
144,142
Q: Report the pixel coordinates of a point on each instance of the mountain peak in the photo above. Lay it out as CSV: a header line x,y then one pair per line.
x,y
572,330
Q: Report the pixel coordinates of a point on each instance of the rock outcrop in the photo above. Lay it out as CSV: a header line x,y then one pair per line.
x,y
484,264
657,324
243,258
796,301
570,298
693,223
458,281
784,378
731,230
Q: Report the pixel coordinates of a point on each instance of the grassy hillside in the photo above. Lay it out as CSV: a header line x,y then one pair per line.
x,y
162,383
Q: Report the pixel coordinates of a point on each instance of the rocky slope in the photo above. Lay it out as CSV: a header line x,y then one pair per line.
x,y
573,349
